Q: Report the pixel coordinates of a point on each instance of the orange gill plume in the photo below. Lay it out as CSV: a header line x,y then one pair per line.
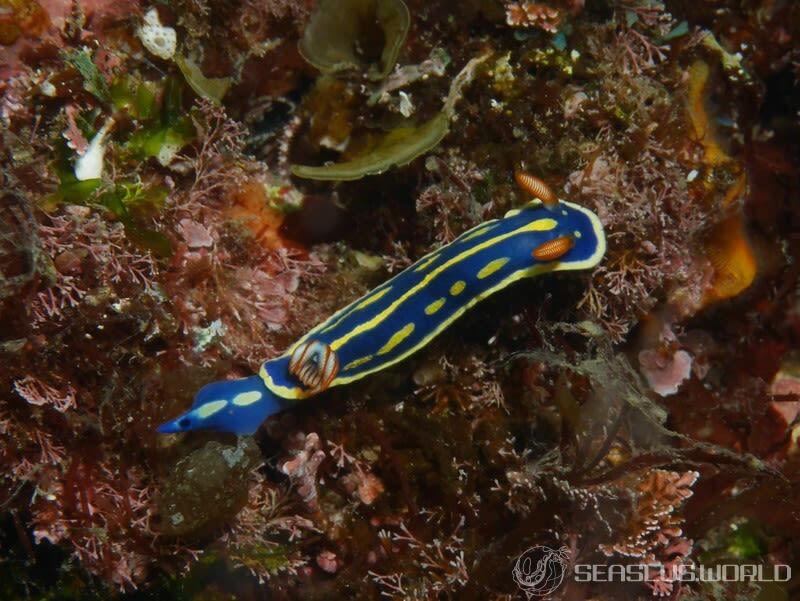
x,y
536,188
553,249
315,364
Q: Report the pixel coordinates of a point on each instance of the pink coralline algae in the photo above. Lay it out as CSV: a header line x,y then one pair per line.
x,y
365,486
665,373
326,560
360,482
102,507
532,14
654,532
302,468
436,566
265,536
230,267
113,334
38,393
91,258
196,235
654,523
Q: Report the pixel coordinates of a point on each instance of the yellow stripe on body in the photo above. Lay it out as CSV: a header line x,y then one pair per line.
x,y
358,362
481,229
517,275
296,392
427,261
540,225
373,297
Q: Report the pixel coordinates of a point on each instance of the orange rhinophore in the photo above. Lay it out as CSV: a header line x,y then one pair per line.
x,y
536,187
553,249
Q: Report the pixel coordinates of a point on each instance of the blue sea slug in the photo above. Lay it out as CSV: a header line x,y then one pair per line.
x,y
406,312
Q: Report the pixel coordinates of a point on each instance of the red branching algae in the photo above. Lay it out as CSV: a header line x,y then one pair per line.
x,y
641,414
38,393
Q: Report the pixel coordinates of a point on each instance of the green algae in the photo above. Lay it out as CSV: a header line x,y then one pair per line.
x,y
72,190
164,130
93,80
135,194
745,542
126,200
160,129
270,558
398,147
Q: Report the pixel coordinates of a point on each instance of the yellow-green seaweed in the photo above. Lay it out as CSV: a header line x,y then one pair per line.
x,y
210,88
399,147
402,145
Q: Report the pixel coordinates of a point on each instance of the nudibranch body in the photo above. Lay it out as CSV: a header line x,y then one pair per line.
x,y
403,314
237,406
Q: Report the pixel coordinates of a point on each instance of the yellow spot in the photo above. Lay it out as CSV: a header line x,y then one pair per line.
x,y
458,287
376,296
576,234
426,261
397,338
491,267
243,399
441,266
210,409
512,213
434,306
541,225
357,363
